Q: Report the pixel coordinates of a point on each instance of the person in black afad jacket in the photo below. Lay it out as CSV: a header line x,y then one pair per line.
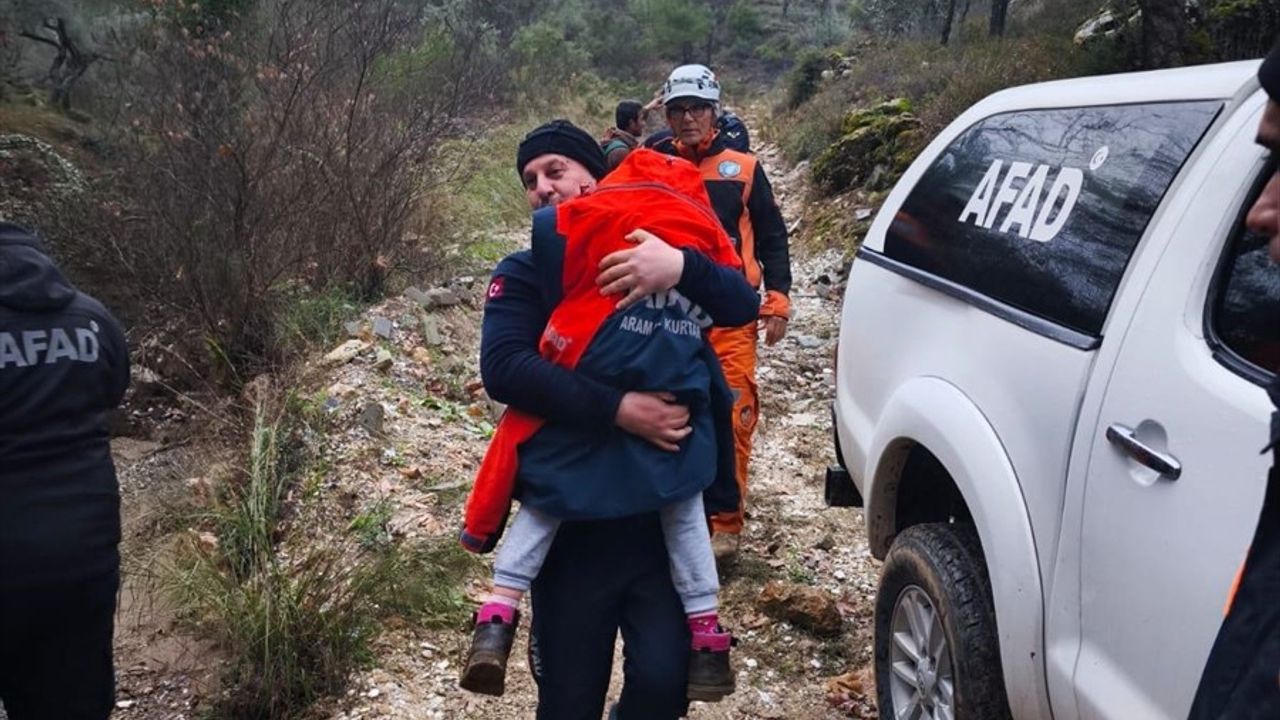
x,y
63,366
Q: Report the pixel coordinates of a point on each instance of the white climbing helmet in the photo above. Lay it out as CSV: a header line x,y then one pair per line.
x,y
691,81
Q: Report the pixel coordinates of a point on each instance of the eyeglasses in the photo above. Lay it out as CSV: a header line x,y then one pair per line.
x,y
690,109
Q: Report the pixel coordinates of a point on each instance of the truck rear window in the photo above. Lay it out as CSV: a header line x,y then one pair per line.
x,y
1041,209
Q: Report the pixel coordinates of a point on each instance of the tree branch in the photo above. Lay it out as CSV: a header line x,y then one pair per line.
x,y
37,38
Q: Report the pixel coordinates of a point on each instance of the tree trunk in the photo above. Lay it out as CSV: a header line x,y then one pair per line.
x,y
1164,33
69,64
999,15
964,13
947,21
786,5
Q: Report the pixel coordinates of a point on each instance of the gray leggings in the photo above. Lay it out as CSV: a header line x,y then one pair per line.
x,y
684,527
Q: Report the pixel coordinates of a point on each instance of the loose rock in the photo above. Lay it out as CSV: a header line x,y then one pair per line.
x,y
431,331
418,296
372,417
341,391
146,383
801,606
346,352
441,298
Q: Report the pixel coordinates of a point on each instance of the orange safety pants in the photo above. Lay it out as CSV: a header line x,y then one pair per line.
x,y
736,348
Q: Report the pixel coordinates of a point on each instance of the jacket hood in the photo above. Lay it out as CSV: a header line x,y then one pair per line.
x,y
29,280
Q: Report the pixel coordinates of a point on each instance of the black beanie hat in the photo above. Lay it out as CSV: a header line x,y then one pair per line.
x,y
563,138
1269,74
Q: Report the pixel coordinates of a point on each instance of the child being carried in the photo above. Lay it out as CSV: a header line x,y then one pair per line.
x,y
656,345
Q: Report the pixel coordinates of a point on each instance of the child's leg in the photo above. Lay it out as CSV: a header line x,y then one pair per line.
x,y
520,557
693,565
693,572
519,560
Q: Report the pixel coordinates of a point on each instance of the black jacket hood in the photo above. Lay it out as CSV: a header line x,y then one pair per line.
x,y
29,281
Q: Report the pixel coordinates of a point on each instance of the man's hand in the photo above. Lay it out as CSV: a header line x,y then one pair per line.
x,y
654,417
775,328
655,103
651,267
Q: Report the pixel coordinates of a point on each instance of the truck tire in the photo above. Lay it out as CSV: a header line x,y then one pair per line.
x,y
935,592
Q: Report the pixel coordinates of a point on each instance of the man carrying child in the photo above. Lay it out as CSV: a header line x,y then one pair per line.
x,y
614,433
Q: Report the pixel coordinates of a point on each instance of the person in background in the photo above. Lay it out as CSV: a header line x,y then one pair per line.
x,y
630,117
744,202
732,130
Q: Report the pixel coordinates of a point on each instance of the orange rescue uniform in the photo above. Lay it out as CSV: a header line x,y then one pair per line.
x,y
744,202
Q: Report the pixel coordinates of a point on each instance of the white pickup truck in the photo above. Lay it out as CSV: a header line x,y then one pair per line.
x,y
1050,395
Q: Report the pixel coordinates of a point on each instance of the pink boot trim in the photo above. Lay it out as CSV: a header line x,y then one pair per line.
x,y
490,610
714,641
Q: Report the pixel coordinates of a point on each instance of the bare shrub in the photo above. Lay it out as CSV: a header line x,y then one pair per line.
x,y
286,147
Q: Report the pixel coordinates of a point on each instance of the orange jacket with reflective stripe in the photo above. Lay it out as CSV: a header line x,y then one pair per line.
x,y
744,202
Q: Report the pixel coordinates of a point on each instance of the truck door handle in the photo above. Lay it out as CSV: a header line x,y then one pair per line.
x,y
1122,437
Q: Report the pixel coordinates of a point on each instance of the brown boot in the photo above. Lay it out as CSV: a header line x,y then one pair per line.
x,y
725,547
711,675
486,669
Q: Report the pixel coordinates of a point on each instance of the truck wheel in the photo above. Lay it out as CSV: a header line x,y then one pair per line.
x,y
937,651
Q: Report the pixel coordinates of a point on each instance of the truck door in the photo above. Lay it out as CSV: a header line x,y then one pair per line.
x,y
1174,477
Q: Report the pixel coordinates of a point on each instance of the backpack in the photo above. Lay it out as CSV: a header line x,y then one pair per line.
x,y
734,132
608,146
657,137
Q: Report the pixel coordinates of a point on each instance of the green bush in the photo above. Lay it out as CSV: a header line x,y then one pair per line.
x,y
776,51
545,60
941,82
675,29
877,145
1241,29
744,27
616,41
806,78
312,319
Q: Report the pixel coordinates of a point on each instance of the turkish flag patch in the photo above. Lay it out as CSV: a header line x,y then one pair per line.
x,y
496,287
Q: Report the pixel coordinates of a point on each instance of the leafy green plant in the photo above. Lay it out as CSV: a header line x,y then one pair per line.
x,y
806,77
310,319
372,527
